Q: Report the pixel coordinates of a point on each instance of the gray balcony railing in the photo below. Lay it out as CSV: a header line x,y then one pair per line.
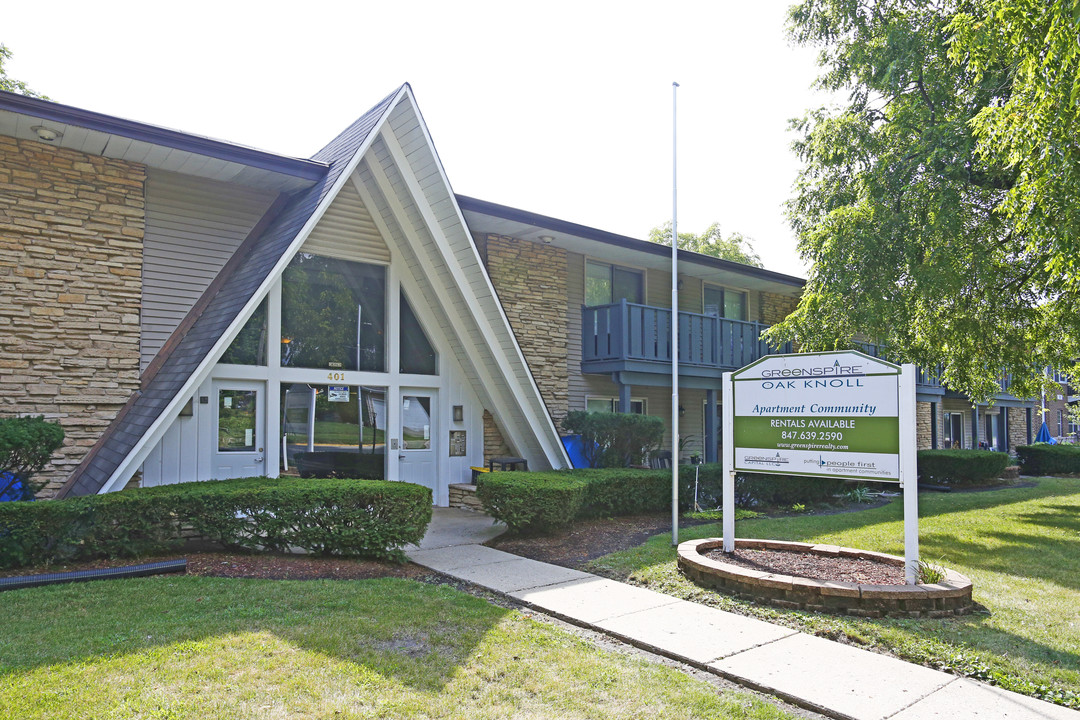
x,y
626,331
621,334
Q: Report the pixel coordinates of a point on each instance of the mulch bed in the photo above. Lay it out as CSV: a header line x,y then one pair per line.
x,y
813,566
587,540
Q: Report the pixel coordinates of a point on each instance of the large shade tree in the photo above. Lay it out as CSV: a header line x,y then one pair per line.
x,y
735,247
937,204
11,84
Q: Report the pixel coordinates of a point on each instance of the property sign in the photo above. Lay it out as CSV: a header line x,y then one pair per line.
x,y
843,414
818,414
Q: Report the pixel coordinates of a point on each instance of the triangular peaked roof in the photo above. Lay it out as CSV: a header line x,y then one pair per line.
x,y
424,218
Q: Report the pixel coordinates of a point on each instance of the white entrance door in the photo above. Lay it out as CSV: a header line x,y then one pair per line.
x,y
239,429
417,453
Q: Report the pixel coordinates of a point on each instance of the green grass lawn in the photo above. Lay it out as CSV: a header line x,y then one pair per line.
x,y
1019,546
190,647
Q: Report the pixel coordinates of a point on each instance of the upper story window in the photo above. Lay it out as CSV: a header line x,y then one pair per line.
x,y
606,284
333,314
249,347
724,303
415,352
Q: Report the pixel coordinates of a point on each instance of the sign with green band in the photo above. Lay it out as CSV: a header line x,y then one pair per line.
x,y
835,434
828,414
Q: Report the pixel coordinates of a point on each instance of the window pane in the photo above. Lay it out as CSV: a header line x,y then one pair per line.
x,y
414,349
597,284
236,420
346,423
626,284
333,314
415,422
713,298
734,305
249,347
599,405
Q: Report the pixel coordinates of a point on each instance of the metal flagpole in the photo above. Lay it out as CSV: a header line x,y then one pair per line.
x,y
674,324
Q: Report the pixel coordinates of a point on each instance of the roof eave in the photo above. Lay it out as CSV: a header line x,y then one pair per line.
x,y
47,110
505,212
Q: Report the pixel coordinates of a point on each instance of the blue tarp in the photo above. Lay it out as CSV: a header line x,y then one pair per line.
x,y
574,449
1044,435
11,488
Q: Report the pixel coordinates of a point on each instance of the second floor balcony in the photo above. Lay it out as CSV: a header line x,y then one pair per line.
x,y
627,337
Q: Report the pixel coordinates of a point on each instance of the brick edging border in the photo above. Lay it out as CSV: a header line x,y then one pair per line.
x,y
951,596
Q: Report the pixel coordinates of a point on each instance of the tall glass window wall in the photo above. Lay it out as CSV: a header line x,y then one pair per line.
x,y
333,314
249,347
337,430
415,352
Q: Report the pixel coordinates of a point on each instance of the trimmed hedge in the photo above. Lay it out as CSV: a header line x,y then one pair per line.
x,y
327,517
962,467
536,502
1042,459
757,490
531,502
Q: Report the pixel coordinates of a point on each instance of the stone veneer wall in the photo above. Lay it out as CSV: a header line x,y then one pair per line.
x,y
923,415
494,443
773,308
71,232
531,280
1017,427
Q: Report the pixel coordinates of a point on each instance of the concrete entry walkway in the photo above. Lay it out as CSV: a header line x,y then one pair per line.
x,y
831,678
456,526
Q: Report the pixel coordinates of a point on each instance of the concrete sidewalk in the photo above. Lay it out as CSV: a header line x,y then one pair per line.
x,y
830,678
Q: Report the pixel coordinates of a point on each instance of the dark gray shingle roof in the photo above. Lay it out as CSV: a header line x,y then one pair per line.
x,y
246,276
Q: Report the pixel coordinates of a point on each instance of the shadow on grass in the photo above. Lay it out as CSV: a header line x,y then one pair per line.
x,y
1029,533
414,633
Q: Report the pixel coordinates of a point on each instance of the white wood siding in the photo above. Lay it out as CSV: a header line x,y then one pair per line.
x,y
348,232
193,226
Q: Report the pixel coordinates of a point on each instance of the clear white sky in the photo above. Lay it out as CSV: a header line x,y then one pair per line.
x,y
560,108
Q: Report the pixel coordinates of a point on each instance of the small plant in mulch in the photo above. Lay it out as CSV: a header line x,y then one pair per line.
x,y
930,573
858,494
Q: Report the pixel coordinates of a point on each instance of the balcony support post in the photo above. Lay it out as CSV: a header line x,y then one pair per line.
x,y
624,394
710,426
933,426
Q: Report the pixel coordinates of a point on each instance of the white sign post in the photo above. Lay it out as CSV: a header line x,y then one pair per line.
x,y
842,414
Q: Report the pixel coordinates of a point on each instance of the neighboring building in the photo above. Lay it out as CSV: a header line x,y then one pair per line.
x,y
192,309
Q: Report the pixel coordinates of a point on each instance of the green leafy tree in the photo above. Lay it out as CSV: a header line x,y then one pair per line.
x,y
26,446
911,203
11,84
736,247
